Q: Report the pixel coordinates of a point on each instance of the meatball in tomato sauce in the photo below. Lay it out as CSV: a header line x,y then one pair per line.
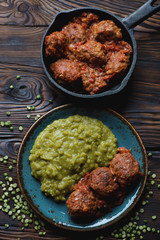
x,y
103,182
91,52
125,167
97,44
86,19
55,43
66,71
106,30
94,80
105,187
117,64
74,32
84,203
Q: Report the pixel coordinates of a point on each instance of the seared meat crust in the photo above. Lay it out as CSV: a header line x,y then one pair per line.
x,y
94,80
74,32
83,202
125,167
103,182
117,64
91,52
66,71
105,30
86,19
55,43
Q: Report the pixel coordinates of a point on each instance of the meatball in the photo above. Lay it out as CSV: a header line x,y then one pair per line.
x,y
66,71
83,203
124,47
103,182
55,44
114,46
105,30
110,46
117,64
125,167
74,32
86,19
90,52
94,80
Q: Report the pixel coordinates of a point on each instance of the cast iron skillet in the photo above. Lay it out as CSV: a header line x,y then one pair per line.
x,y
126,24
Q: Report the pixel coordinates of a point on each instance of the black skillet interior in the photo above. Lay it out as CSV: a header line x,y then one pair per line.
x,y
61,20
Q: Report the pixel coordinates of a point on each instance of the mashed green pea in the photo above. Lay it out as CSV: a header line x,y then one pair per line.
x,y
68,148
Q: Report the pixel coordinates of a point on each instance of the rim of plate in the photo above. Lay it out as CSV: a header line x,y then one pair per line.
x,y
28,198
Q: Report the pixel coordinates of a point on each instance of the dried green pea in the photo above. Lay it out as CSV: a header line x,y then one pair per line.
x,y
154,176
28,108
2,124
20,128
8,113
6,225
11,128
152,182
149,173
10,167
149,154
18,77
38,97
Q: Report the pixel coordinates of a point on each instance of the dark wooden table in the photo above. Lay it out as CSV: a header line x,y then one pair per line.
x,y
22,25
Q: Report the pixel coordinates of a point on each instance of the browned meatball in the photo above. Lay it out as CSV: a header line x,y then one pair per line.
x,y
86,19
124,47
55,44
94,80
103,182
116,46
66,71
74,32
110,46
105,30
125,167
117,64
83,203
90,52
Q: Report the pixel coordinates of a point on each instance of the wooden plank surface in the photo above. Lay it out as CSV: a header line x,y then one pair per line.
x,y
22,25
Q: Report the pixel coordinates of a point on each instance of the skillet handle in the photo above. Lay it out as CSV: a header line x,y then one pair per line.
x,y
142,13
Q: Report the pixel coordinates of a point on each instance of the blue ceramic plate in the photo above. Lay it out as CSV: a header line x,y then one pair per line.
x,y
57,213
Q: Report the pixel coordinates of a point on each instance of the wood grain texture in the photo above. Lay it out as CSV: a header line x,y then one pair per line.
x,y
21,45
139,103
22,25
35,12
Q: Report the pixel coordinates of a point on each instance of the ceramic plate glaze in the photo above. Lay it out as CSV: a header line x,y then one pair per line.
x,y
57,213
